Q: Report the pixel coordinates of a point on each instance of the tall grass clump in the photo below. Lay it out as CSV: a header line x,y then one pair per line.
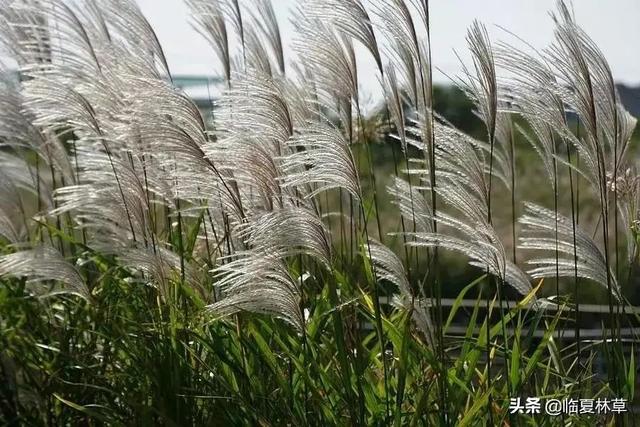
x,y
256,267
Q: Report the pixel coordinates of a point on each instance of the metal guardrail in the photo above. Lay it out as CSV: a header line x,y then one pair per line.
x,y
626,334
584,308
586,334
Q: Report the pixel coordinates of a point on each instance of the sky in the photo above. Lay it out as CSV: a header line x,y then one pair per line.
x,y
613,24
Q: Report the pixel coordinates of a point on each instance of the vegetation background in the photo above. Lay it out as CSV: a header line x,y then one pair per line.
x,y
283,259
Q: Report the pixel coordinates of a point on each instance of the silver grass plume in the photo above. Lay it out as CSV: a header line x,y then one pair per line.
x,y
258,283
255,119
591,93
19,130
16,123
412,204
258,280
325,55
256,54
169,127
19,182
395,103
127,18
289,232
463,186
627,188
111,201
18,133
480,243
349,17
540,228
404,48
389,267
321,157
256,173
481,85
483,88
461,160
73,44
532,90
23,24
43,264
266,21
233,11
504,150
209,21
162,267
258,107
398,24
13,216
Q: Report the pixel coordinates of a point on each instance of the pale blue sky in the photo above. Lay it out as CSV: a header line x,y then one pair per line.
x,y
613,24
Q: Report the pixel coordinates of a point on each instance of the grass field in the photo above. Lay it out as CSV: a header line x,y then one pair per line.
x,y
299,262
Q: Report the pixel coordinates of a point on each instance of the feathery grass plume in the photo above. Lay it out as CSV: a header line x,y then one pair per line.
x,y
131,25
289,232
389,267
233,11
404,48
16,124
11,230
169,127
72,43
395,103
461,160
626,127
265,19
503,151
13,216
324,56
95,16
539,233
481,86
592,94
258,107
350,18
209,21
257,56
112,205
255,170
23,25
412,56
162,267
19,183
19,130
398,25
321,157
627,189
532,93
258,283
412,204
43,264
256,117
480,243
463,186
531,88
60,108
